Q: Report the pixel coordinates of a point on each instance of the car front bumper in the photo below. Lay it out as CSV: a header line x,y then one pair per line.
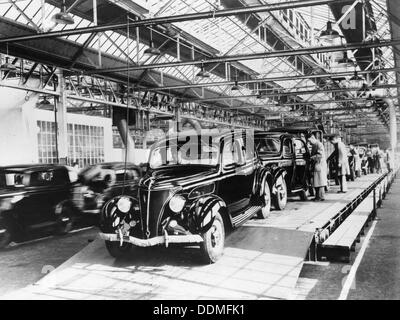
x,y
165,239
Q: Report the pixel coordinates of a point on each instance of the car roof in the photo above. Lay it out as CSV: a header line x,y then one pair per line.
x,y
272,134
202,133
113,165
295,129
32,167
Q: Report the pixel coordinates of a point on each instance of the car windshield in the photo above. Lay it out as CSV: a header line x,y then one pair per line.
x,y
193,150
268,145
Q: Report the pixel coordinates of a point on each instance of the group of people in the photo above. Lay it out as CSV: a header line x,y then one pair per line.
x,y
344,165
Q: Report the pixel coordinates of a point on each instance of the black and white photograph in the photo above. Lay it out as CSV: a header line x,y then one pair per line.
x,y
199,154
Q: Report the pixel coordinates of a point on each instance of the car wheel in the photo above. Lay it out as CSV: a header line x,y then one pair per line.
x,y
266,203
116,250
280,198
65,220
213,243
5,237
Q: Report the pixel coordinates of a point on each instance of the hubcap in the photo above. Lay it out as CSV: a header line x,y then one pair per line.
x,y
216,234
267,199
281,192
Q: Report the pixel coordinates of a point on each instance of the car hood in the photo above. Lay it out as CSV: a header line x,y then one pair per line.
x,y
182,176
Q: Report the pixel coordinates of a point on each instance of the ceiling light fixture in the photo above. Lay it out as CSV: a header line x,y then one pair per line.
x,y
203,73
356,80
235,87
7,65
329,34
63,17
152,50
345,61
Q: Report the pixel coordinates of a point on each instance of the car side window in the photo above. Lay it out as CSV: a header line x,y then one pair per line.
x,y
287,147
300,148
232,153
41,178
248,148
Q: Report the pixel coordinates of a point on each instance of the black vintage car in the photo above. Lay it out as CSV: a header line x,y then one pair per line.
x,y
287,158
33,197
195,187
101,182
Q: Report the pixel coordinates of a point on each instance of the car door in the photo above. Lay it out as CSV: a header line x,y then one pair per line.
x,y
35,208
233,176
302,162
48,188
288,162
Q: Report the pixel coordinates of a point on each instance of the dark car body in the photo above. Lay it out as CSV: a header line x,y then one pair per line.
x,y
183,190
34,196
103,181
284,156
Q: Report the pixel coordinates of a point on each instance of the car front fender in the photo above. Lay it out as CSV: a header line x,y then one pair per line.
x,y
203,211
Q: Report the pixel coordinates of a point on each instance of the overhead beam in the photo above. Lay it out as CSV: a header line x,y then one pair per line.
x,y
273,79
253,56
288,93
178,18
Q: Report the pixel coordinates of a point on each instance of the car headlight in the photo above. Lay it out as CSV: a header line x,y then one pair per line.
x,y
124,204
177,203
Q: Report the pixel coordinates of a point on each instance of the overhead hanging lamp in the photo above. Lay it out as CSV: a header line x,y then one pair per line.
x,y
235,87
329,34
7,65
203,73
345,61
152,50
356,80
63,17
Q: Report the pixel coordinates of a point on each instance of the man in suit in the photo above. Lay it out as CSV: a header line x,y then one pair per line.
x,y
342,162
320,168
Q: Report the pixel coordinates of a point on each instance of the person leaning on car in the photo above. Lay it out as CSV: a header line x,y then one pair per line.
x,y
342,162
319,167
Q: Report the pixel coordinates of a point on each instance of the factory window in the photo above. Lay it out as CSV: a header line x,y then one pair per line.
x,y
47,142
85,144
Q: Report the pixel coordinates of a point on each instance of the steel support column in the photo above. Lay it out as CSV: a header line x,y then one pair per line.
x,y
392,123
61,120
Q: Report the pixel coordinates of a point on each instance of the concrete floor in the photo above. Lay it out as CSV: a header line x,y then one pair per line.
x,y
378,276
26,263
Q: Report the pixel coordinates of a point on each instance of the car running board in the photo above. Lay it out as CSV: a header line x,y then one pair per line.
x,y
241,218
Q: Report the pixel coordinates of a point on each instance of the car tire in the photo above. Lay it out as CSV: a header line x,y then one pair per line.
x,y
116,250
65,226
280,198
5,237
266,203
213,243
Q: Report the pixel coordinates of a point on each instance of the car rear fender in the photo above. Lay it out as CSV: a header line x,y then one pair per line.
x,y
279,174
